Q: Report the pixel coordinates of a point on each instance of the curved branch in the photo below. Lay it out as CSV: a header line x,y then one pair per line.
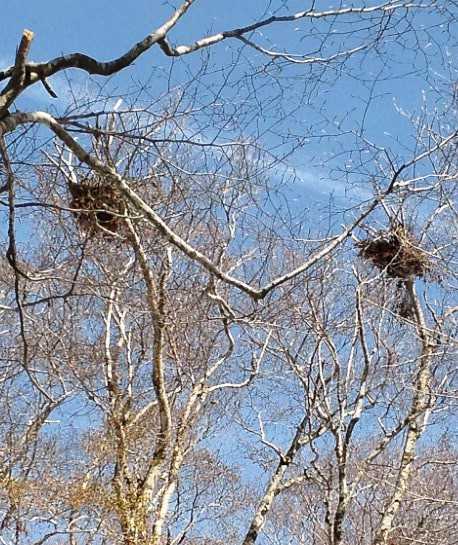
x,y
238,33
93,66
34,72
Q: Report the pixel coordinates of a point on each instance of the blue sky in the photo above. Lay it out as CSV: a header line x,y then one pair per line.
x,y
105,29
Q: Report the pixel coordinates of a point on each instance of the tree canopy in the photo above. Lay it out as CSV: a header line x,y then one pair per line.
x,y
228,291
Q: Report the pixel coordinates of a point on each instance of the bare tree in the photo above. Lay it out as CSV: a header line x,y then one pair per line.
x,y
193,349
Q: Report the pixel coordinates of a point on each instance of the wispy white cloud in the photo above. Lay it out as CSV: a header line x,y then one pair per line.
x,y
321,186
68,92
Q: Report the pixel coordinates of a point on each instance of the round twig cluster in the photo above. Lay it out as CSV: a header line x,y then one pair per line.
x,y
395,251
98,206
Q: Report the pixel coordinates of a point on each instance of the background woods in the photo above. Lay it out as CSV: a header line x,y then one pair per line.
x,y
228,280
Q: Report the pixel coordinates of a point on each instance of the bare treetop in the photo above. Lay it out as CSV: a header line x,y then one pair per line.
x,y
228,286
